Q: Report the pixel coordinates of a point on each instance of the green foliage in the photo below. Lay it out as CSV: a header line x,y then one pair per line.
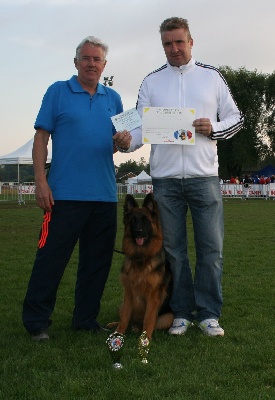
x,y
134,167
9,173
270,100
253,93
77,366
267,161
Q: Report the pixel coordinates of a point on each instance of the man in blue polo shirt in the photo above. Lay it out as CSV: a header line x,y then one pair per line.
x,y
79,199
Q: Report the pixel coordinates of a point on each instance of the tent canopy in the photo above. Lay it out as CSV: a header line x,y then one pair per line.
x,y
23,155
266,171
143,177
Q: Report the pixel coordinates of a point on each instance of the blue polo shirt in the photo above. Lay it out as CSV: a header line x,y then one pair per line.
x,y
81,129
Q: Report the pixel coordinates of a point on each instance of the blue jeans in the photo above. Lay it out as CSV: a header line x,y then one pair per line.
x,y
199,297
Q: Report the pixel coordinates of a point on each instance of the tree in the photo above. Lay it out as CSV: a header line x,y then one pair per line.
x,y
9,173
270,103
253,94
134,167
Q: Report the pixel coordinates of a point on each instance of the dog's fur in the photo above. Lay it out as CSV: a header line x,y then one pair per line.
x,y
145,275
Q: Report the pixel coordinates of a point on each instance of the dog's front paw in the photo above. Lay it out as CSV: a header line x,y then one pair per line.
x,y
112,325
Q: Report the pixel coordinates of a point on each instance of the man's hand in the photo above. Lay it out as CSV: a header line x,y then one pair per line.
x,y
122,140
44,196
43,192
203,126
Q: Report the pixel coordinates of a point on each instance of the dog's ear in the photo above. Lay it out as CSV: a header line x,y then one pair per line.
x,y
150,202
129,203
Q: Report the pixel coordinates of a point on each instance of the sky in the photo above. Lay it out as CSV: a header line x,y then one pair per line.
x,y
38,39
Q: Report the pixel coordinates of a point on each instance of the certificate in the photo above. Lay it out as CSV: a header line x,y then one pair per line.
x,y
126,120
161,125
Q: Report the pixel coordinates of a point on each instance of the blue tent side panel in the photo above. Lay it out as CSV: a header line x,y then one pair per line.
x,y
266,171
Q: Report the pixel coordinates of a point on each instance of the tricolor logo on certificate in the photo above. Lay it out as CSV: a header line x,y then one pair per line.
x,y
163,125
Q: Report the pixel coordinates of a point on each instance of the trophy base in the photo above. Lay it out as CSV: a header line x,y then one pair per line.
x,y
117,365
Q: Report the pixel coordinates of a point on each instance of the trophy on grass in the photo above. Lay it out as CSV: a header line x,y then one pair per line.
x,y
115,342
143,347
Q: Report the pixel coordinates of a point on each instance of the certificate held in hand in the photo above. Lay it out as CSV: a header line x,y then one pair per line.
x,y
162,125
127,120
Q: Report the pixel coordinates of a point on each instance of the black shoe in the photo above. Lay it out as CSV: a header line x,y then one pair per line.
x,y
40,335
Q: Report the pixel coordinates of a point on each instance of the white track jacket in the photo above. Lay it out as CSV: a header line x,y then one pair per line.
x,y
197,86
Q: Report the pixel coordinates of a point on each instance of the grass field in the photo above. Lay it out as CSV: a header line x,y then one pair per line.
x,y
74,366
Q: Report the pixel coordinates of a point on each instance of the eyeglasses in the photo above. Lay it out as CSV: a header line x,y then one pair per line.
x,y
87,59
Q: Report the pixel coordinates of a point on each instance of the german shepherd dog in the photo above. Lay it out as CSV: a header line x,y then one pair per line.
x,y
145,274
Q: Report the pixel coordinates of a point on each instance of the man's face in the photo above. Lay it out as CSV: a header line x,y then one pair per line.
x,y
90,64
177,46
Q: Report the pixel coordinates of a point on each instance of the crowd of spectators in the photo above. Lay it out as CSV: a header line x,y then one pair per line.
x,y
247,180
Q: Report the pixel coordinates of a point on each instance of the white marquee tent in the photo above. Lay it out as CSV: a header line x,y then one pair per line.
x,y
143,177
22,156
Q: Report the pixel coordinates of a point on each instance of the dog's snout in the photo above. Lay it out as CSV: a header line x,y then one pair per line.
x,y
138,232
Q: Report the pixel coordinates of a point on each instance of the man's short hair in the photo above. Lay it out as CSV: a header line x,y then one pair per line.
x,y
95,42
172,23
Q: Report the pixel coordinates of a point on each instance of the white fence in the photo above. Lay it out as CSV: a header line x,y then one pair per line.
x,y
252,191
13,192
26,191
227,190
139,190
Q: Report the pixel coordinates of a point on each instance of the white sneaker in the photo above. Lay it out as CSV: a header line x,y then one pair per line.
x,y
211,327
179,327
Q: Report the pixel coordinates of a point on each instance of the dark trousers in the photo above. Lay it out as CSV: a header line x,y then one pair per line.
x,y
94,225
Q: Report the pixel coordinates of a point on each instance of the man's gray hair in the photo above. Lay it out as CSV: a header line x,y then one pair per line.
x,y
95,42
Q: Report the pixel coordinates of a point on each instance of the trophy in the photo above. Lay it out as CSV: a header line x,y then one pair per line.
x,y
143,347
115,342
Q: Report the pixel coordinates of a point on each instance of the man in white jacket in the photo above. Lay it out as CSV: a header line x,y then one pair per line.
x,y
187,176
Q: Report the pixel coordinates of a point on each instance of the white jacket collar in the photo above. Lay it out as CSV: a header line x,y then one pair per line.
x,y
183,68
